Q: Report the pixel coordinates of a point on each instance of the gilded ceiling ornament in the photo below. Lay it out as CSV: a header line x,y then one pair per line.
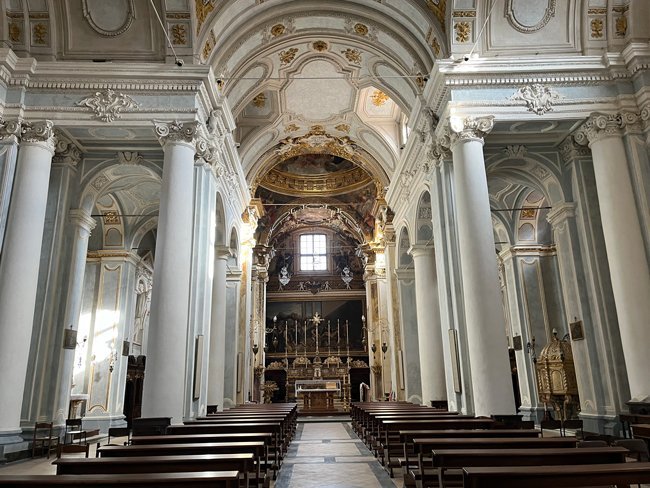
x,y
419,80
319,46
621,26
462,31
352,55
107,104
316,141
288,55
111,217
343,127
511,17
378,98
439,9
178,34
435,45
539,98
597,11
259,101
597,26
209,46
361,29
277,30
39,32
203,8
317,129
291,128
15,32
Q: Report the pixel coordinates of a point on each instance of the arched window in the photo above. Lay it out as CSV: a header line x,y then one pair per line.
x,y
313,252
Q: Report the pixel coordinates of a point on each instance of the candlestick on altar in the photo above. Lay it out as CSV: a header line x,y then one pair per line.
x,y
329,339
305,344
316,323
338,337
295,344
347,336
286,339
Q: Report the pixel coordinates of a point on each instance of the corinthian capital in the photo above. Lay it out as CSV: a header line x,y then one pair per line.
x,y
469,128
66,151
40,132
601,126
176,132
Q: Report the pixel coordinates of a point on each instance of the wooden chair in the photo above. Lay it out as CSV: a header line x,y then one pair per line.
x,y
73,428
573,424
119,432
43,437
551,425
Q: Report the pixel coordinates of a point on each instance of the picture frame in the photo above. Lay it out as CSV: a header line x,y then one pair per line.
x,y
577,330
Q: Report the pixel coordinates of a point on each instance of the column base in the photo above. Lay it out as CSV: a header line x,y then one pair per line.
x,y
13,447
536,414
601,424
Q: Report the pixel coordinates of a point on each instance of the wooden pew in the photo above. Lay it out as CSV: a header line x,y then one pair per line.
x,y
641,431
389,439
242,462
256,448
410,457
280,444
424,448
466,458
206,479
557,476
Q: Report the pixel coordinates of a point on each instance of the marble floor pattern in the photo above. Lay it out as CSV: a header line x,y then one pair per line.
x,y
330,455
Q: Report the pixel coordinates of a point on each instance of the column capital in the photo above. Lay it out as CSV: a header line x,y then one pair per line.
x,y
418,250
570,150
40,133
560,213
10,130
176,132
466,129
601,126
222,252
82,219
66,152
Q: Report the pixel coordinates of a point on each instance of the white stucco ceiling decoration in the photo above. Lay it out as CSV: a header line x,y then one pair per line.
x,y
318,92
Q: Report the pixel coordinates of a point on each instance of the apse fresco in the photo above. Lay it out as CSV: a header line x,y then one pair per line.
x,y
314,164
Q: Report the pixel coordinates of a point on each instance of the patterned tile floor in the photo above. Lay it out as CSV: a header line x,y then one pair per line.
x,y
330,455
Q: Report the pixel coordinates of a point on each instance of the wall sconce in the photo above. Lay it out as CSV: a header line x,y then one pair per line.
x,y
256,349
373,348
530,348
384,348
364,334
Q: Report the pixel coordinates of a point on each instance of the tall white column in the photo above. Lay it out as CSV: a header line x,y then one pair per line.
x,y
432,361
217,354
19,266
164,385
83,224
628,264
486,333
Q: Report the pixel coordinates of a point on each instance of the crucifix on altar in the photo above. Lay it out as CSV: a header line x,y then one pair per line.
x,y
316,320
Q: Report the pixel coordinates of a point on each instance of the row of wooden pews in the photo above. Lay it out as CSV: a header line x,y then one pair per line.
x,y
240,447
433,448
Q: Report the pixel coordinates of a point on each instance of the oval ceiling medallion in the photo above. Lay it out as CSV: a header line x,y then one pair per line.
x,y
109,19
529,16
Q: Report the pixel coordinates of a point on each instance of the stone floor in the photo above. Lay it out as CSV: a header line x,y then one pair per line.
x,y
322,455
330,455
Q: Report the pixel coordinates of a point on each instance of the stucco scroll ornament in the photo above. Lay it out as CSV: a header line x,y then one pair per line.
x,y
9,128
316,140
107,104
517,24
538,98
108,27
599,126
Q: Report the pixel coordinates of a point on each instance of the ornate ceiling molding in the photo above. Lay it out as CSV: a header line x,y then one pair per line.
x,y
330,184
511,17
319,142
95,23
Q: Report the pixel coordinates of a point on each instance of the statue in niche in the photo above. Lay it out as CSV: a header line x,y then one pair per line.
x,y
142,307
346,276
